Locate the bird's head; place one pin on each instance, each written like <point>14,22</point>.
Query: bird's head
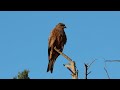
<point>61,25</point>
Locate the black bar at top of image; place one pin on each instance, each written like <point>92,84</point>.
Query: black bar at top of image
<point>59,5</point>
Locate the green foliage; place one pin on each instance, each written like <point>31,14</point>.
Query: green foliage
<point>22,75</point>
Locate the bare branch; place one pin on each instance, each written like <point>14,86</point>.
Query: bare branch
<point>106,72</point>
<point>112,60</point>
<point>86,69</point>
<point>91,63</point>
<point>89,73</point>
<point>87,66</point>
<point>70,66</point>
<point>69,59</point>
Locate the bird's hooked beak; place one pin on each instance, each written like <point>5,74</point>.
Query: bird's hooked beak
<point>65,27</point>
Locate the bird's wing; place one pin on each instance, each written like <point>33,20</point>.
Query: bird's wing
<point>51,42</point>
<point>64,40</point>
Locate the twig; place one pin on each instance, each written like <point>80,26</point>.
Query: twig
<point>91,63</point>
<point>112,60</point>
<point>89,73</point>
<point>69,69</point>
<point>106,72</point>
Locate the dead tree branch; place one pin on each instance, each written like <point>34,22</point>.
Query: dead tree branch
<point>106,72</point>
<point>86,70</point>
<point>112,60</point>
<point>87,66</point>
<point>69,59</point>
<point>70,66</point>
<point>92,63</point>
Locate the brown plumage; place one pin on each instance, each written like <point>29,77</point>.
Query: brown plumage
<point>57,39</point>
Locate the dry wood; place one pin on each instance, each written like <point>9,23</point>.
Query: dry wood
<point>70,66</point>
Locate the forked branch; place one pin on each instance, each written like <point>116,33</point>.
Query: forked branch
<point>70,66</point>
<point>87,66</point>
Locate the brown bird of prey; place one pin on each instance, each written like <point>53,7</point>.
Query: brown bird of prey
<point>57,39</point>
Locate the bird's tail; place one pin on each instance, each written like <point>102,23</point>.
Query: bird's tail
<point>50,66</point>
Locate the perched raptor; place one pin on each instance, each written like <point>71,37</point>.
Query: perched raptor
<point>57,39</point>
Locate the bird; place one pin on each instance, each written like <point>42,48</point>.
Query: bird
<point>56,39</point>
